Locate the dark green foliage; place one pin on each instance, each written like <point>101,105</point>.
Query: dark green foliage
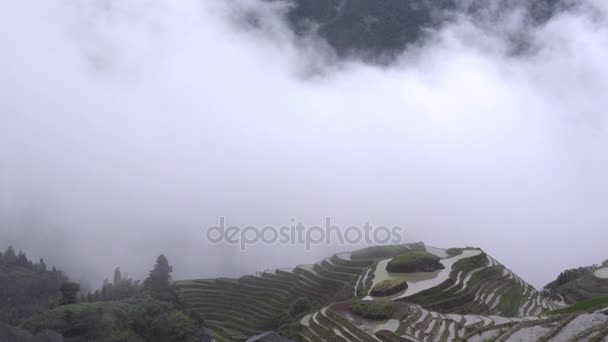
<point>69,292</point>
<point>293,313</point>
<point>158,282</point>
<point>510,302</point>
<point>388,287</point>
<point>87,322</point>
<point>385,251</point>
<point>41,266</point>
<point>453,251</point>
<point>414,261</point>
<point>587,286</point>
<point>123,287</point>
<point>471,263</point>
<point>291,330</point>
<point>10,258</point>
<point>300,306</point>
<point>137,319</point>
<point>373,309</point>
<point>117,276</point>
<point>568,276</point>
<point>25,287</point>
<point>154,320</point>
<point>605,263</point>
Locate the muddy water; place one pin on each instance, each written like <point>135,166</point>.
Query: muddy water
<point>418,281</point>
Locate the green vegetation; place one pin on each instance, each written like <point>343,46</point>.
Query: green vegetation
<point>144,313</point>
<point>158,281</point>
<point>388,287</point>
<point>373,310</point>
<point>69,291</point>
<point>26,287</point>
<point>385,251</point>
<point>510,302</point>
<point>288,321</point>
<point>137,319</point>
<point>471,263</point>
<point>159,310</point>
<point>454,251</point>
<point>582,306</point>
<point>414,261</point>
<point>568,276</point>
<point>585,287</point>
<point>122,287</point>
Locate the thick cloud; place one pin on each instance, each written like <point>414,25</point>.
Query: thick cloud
<point>127,127</point>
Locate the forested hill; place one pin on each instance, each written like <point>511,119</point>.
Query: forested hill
<point>410,292</point>
<point>26,287</point>
<point>385,27</point>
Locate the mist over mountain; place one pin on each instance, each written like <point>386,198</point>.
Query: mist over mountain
<point>129,127</point>
<point>381,30</point>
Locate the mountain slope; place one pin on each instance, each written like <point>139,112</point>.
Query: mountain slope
<point>471,284</point>
<point>387,27</point>
<point>584,284</point>
<point>25,288</point>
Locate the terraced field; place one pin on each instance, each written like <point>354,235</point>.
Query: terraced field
<point>474,298</point>
<point>238,308</point>
<point>414,323</point>
<point>481,285</point>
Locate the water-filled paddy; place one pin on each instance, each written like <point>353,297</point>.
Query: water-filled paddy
<point>418,281</point>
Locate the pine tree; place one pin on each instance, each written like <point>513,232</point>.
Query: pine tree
<point>117,276</point>
<point>10,258</point>
<point>69,291</point>
<point>22,259</point>
<point>42,265</point>
<point>159,278</point>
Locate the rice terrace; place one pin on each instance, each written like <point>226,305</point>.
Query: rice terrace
<point>472,297</point>
<point>303,170</point>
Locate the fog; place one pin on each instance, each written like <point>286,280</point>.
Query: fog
<point>129,127</point>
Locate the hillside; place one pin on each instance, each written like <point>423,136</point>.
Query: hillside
<point>26,287</point>
<point>470,297</point>
<point>580,284</point>
<point>376,28</point>
<point>473,296</point>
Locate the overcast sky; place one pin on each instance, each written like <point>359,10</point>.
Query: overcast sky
<point>128,127</point>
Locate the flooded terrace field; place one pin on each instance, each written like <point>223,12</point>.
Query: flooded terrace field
<point>418,281</point>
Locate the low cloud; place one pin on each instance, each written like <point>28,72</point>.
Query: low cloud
<point>128,127</point>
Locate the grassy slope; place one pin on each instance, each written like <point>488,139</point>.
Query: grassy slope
<point>510,301</point>
<point>582,306</point>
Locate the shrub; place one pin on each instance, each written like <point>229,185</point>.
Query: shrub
<point>385,251</point>
<point>181,325</point>
<point>414,261</point>
<point>373,310</point>
<point>388,287</point>
<point>301,305</point>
